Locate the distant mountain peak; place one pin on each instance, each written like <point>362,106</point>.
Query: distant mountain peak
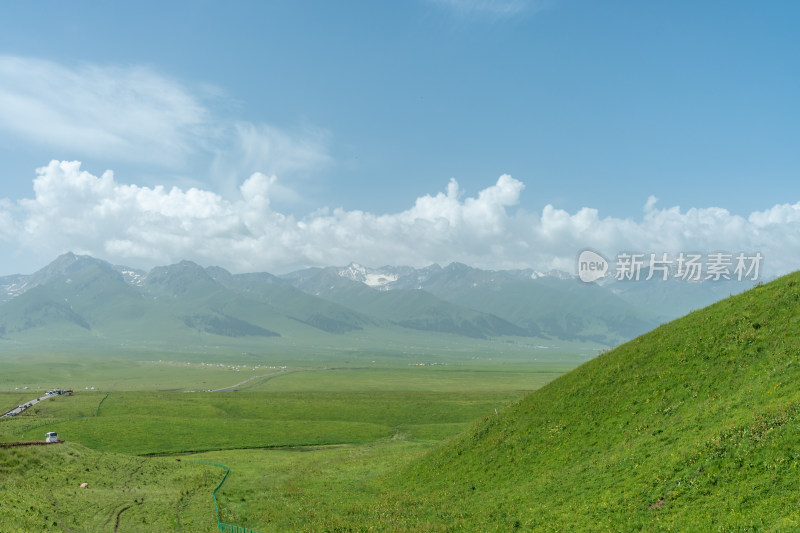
<point>353,271</point>
<point>66,260</point>
<point>65,264</point>
<point>179,278</point>
<point>455,266</point>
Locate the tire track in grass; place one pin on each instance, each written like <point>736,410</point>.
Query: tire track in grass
<point>130,478</point>
<point>97,413</point>
<point>119,514</point>
<point>119,517</point>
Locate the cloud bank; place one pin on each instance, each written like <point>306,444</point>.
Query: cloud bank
<point>144,226</point>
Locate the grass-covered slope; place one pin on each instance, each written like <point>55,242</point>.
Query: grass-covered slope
<point>40,487</point>
<point>693,426</point>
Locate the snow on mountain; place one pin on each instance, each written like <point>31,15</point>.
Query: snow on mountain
<point>376,278</point>
<point>379,280</point>
<point>131,277</point>
<point>556,274</point>
<point>354,271</point>
<point>12,286</point>
<point>404,277</point>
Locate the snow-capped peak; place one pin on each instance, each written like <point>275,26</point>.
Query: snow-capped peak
<point>354,271</point>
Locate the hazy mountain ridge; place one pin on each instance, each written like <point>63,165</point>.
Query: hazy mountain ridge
<point>82,293</point>
<point>552,304</point>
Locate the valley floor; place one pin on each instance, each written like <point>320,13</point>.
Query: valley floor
<point>305,445</point>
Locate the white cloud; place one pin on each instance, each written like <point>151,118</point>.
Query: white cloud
<point>269,150</point>
<point>141,226</point>
<point>140,116</point>
<point>127,113</point>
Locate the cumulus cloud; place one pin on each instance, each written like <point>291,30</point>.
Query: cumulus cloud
<point>143,226</point>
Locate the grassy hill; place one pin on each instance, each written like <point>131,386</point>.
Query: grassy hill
<point>693,426</point>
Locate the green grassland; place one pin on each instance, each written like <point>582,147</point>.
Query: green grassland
<point>160,423</point>
<point>351,419</point>
<point>203,364</point>
<point>40,373</point>
<point>694,426</point>
<point>327,489</point>
<point>40,489</point>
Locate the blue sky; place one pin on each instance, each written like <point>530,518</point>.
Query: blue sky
<point>355,116</point>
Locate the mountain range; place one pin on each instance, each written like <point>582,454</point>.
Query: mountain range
<point>80,296</point>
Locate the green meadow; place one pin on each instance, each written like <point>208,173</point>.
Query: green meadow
<point>173,422</point>
<point>314,428</point>
<point>40,489</point>
<point>694,426</point>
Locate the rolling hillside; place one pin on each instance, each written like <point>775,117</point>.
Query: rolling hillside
<point>693,426</point>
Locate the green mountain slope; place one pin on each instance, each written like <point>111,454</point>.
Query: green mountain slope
<point>694,426</point>
<point>551,307</point>
<point>414,309</point>
<point>509,302</point>
<point>85,303</point>
<point>78,298</point>
<point>86,296</point>
<point>673,298</point>
<point>292,302</point>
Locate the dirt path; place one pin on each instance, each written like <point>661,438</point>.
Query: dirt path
<point>232,388</point>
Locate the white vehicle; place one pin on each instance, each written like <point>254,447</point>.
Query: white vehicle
<point>52,436</point>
